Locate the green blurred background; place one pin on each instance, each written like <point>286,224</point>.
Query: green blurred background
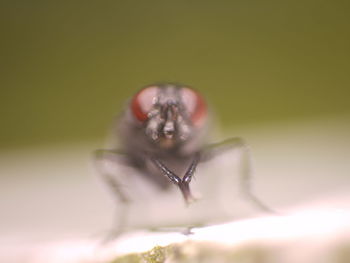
<point>67,67</point>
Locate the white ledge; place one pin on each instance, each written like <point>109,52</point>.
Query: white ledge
<point>305,236</point>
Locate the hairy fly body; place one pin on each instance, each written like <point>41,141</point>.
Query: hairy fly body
<point>163,135</point>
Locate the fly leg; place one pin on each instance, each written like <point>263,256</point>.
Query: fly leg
<point>245,176</point>
<point>115,187</point>
<point>184,183</point>
<point>187,179</point>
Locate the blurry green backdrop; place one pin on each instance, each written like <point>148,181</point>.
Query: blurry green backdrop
<point>67,67</point>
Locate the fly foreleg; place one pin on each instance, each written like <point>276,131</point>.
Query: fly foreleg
<point>184,183</point>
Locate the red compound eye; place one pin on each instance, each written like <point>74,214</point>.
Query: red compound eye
<point>143,101</point>
<point>195,105</point>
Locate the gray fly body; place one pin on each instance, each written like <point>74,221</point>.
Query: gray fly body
<point>162,133</point>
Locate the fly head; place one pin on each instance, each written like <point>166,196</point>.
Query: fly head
<point>169,114</point>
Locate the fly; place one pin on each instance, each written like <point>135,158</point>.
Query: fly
<point>163,135</point>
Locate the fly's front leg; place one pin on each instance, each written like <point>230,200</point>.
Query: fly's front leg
<point>245,176</point>
<point>115,187</point>
<point>187,179</point>
<point>184,183</point>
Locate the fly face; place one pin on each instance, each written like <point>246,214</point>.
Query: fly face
<point>168,115</point>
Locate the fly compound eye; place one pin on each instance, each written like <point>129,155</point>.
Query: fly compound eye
<point>143,102</point>
<point>194,104</point>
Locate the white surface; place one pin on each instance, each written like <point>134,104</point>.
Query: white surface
<point>314,232</point>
